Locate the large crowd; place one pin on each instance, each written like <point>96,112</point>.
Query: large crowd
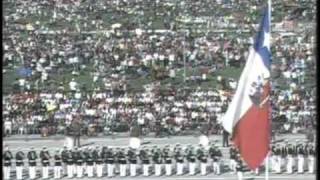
<point>49,45</point>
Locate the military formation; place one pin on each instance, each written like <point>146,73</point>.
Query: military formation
<point>293,157</point>
<point>109,162</point>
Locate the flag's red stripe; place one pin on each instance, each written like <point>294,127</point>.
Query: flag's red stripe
<point>252,133</point>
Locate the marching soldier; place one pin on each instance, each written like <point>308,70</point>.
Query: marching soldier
<point>95,154</point>
<point>89,161</point>
<point>70,164</point>
<point>104,154</point>
<point>290,152</point>
<point>45,160</point>
<point>144,156</point>
<point>239,167</point>
<point>300,153</point>
<point>167,160</point>
<point>64,157</point>
<point>99,162</point>
<point>233,157</point>
<point>273,158</point>
<point>122,162</point>
<point>57,165</point>
<point>284,154</point>
<point>157,159</point>
<point>132,155</point>
<point>179,159</point>
<point>19,164</point>
<point>311,154</point>
<point>79,158</point>
<point>278,154</point>
<point>216,156</point>
<point>7,157</point>
<point>202,158</point>
<point>110,162</point>
<point>32,158</point>
<point>192,161</point>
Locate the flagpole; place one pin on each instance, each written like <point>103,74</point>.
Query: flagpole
<point>267,167</point>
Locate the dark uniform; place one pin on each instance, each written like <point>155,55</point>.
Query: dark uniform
<point>89,161</point>
<point>79,161</point>
<point>289,151</point>
<point>216,156</point>
<point>203,159</point>
<point>233,163</point>
<point>301,154</point>
<point>310,155</point>
<point>97,154</point>
<point>144,157</point>
<point>57,165</point>
<point>179,157</point>
<point>157,159</point>
<point>45,160</point>
<point>32,158</point>
<point>110,162</point>
<point>70,164</point>
<point>167,160</point>
<point>7,157</point>
<point>225,139</point>
<point>278,159</point>
<point>19,164</point>
<point>133,161</point>
<point>122,162</point>
<point>273,158</point>
<point>64,156</point>
<point>284,155</point>
<point>192,161</point>
<point>239,167</point>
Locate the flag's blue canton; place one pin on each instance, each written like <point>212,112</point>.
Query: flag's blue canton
<point>259,46</point>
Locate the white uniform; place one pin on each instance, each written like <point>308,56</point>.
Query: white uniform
<point>300,163</point>
<point>133,169</point>
<point>289,164</point>
<point>216,167</point>
<point>6,172</point>
<point>7,169</point>
<point>79,171</point>
<point>110,169</point>
<point>123,169</point>
<point>90,170</point>
<point>146,169</point>
<point>158,168</point>
<point>311,164</point>
<point>45,167</point>
<point>192,167</point>
<point>99,170</point>
<point>179,168</point>
<point>278,163</point>
<point>19,170</point>
<point>233,165</point>
<point>70,170</point>
<point>57,172</point>
<point>203,168</point>
<point>168,169</point>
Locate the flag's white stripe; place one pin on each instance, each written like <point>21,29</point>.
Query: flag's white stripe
<point>241,101</point>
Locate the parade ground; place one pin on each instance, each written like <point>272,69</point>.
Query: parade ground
<point>121,140</point>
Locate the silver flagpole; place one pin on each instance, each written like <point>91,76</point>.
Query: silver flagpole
<point>267,167</point>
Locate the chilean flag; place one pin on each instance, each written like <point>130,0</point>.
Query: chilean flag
<point>248,115</point>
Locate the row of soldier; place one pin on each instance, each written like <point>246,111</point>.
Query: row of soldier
<point>293,156</point>
<point>91,162</point>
